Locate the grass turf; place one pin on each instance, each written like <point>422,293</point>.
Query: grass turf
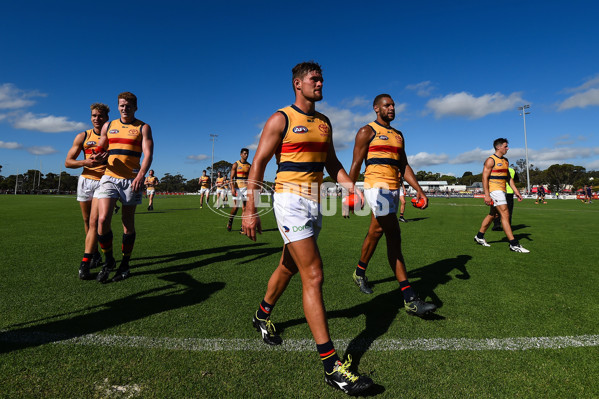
<point>191,279</point>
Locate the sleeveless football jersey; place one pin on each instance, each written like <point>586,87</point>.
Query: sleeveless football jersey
<point>152,181</point>
<point>124,149</point>
<point>204,181</point>
<point>499,174</point>
<point>220,182</point>
<point>382,160</point>
<point>243,170</point>
<point>90,144</point>
<point>302,155</point>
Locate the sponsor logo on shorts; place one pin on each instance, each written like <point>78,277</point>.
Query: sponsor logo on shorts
<point>383,137</point>
<point>113,131</point>
<point>300,129</point>
<point>296,229</point>
<point>286,229</point>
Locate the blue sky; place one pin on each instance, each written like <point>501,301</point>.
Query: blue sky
<point>457,71</point>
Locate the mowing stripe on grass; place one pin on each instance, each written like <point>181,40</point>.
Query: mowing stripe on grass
<point>295,345</point>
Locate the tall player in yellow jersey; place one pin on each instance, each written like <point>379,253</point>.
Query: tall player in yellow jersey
<point>301,138</point>
<point>383,148</point>
<point>126,140</point>
<point>88,184</point>
<point>495,175</point>
<point>220,190</point>
<point>240,171</point>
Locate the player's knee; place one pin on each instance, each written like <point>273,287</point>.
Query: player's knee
<point>313,277</point>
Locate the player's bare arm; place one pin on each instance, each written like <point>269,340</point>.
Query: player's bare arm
<point>71,160</point>
<point>147,147</point>
<point>361,143</point>
<point>269,141</point>
<point>487,168</point>
<point>102,153</point>
<point>516,191</point>
<point>407,174</point>
<point>232,181</point>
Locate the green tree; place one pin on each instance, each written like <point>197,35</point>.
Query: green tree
<point>558,177</point>
<point>171,184</point>
<point>223,167</point>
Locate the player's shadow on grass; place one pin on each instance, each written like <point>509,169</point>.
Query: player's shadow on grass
<point>181,291</point>
<point>415,219</point>
<point>242,254</point>
<point>519,226</point>
<point>503,238</point>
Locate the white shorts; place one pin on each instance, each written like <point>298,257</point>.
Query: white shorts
<point>220,192</point>
<point>242,193</point>
<point>204,190</point>
<point>402,192</point>
<point>382,201</point>
<point>498,197</point>
<point>86,188</point>
<point>112,187</point>
<point>297,217</point>
<point>150,191</point>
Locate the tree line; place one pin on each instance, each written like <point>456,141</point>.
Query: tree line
<point>557,177</point>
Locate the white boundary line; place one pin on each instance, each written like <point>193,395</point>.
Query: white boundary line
<point>303,345</point>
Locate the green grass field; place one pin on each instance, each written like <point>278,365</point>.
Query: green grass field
<point>509,325</point>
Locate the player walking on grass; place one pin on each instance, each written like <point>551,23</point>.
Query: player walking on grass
<point>220,191</point>
<point>402,201</point>
<point>88,184</point>
<point>151,183</point>
<point>495,176</point>
<point>383,148</point>
<point>240,171</point>
<point>205,184</point>
<point>301,138</point>
<point>126,140</point>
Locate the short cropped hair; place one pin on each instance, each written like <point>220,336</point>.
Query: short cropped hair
<point>129,97</point>
<point>103,108</point>
<point>244,149</point>
<point>304,68</point>
<point>499,142</point>
<point>379,98</point>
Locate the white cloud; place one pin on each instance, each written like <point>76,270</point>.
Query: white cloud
<point>12,97</point>
<point>254,145</point>
<point>592,82</point>
<point>424,159</point>
<point>476,155</point>
<point>345,123</point>
<point>10,145</point>
<point>581,100</point>
<point>467,105</point>
<point>356,102</point>
<point>422,89</point>
<point>41,150</point>
<point>47,124</point>
<point>197,158</point>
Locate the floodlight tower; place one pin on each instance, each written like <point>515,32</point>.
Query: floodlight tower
<point>213,138</point>
<point>524,113</point>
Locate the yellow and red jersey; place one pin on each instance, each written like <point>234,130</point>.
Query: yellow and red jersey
<point>500,174</point>
<point>383,158</point>
<point>241,173</point>
<point>220,182</point>
<point>90,143</point>
<point>302,155</point>
<point>204,181</point>
<point>124,149</point>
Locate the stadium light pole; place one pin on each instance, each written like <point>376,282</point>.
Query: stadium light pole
<point>524,113</point>
<point>213,138</point>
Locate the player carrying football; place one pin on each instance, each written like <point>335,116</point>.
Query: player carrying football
<point>383,148</point>
<point>302,140</point>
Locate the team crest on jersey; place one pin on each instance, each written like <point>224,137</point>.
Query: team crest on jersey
<point>300,129</point>
<point>323,127</point>
<point>383,137</point>
<point>133,132</point>
<point>114,131</point>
